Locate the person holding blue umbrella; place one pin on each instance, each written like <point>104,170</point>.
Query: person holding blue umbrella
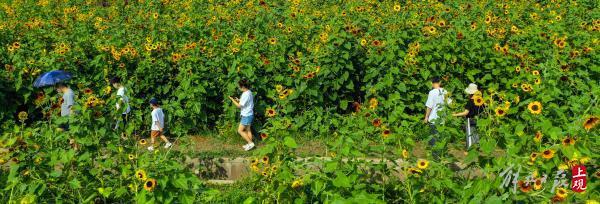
<point>57,78</point>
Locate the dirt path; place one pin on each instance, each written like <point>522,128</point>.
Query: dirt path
<point>211,146</point>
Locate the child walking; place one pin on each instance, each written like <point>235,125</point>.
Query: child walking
<point>158,124</point>
<point>246,104</point>
<point>122,102</point>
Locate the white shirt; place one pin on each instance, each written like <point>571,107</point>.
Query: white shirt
<point>158,115</point>
<point>124,98</point>
<point>247,103</point>
<point>435,101</point>
<point>68,102</point>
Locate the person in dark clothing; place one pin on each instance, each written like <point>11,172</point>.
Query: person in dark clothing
<point>474,107</point>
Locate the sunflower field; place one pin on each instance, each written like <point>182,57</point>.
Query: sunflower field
<point>353,73</point>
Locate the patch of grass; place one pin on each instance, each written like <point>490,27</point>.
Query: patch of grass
<point>214,145</point>
<point>233,193</point>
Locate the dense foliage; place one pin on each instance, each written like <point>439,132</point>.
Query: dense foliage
<point>356,72</point>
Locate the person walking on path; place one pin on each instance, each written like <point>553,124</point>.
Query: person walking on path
<point>246,104</point>
<point>122,101</point>
<point>158,125</point>
<point>436,100</point>
<point>474,107</point>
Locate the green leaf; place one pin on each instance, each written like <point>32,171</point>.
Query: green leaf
<point>105,191</point>
<point>290,142</point>
<point>249,200</point>
<point>75,183</point>
<point>487,145</point>
<point>180,182</point>
<point>343,105</point>
<point>341,180</point>
<point>331,166</point>
<point>425,74</point>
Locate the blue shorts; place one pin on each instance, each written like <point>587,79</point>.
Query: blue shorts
<point>247,120</point>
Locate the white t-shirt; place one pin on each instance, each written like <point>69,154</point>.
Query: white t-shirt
<point>121,93</point>
<point>158,115</point>
<point>247,103</point>
<point>435,101</point>
<point>68,102</point>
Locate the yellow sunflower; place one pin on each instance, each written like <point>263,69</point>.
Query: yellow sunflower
<point>533,156</point>
<point>584,160</point>
<point>278,88</point>
<point>537,185</point>
<point>538,81</point>
<point>441,23</point>
<point>405,154</point>
<point>568,141</point>
<point>373,103</point>
<point>557,199</point>
<point>561,192</point>
<point>591,122</point>
<point>535,107</point>
<point>526,87</point>
<point>88,91</point>
<point>282,96</point>
<point>150,184</point>
<point>414,170</point>
<point>297,184</point>
<point>422,163</point>
<point>538,137</point>
<point>141,175</point>
<point>397,7</point>
<point>270,112</point>
<point>478,100</point>
<point>535,72</point>
<point>23,116</point>
<point>548,154</point>
<point>272,41</point>
<point>107,89</point>
<point>376,122</point>
<point>386,133</point>
<point>143,142</point>
<point>131,157</point>
<point>265,160</point>
<point>524,186</point>
<point>254,168</point>
<point>500,112</point>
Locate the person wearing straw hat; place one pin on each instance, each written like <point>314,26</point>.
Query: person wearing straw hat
<point>474,107</point>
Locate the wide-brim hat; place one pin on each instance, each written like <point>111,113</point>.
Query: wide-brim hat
<point>471,89</point>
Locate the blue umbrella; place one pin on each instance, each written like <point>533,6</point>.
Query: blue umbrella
<point>51,78</point>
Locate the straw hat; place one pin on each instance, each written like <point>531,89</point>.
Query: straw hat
<point>471,89</point>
